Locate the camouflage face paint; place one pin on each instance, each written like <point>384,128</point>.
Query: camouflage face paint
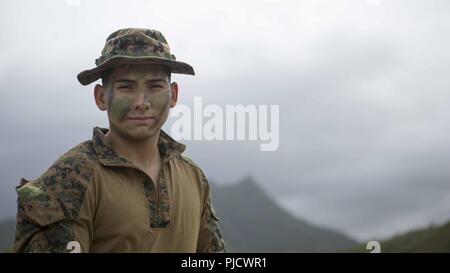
<point>160,101</point>
<point>142,71</point>
<point>118,108</point>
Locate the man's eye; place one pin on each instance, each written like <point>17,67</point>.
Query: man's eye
<point>156,88</point>
<point>124,87</point>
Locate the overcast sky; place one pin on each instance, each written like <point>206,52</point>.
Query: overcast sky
<point>363,89</point>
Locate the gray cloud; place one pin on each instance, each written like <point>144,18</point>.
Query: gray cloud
<point>361,85</point>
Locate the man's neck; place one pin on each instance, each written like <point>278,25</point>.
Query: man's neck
<point>144,153</point>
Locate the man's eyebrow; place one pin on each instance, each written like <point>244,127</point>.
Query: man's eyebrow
<point>132,81</point>
<point>156,80</point>
<point>124,81</point>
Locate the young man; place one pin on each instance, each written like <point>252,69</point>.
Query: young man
<point>129,189</point>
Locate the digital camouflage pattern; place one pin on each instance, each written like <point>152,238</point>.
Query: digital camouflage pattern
<point>134,46</point>
<point>46,206</point>
<point>217,244</point>
<point>49,207</point>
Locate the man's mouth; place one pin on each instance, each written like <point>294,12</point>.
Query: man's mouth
<point>143,118</point>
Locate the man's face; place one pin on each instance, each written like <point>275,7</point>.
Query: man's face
<point>138,99</point>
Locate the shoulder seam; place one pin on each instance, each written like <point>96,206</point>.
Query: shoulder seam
<point>190,162</point>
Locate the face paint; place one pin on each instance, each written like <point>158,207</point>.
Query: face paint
<point>160,100</point>
<point>154,70</point>
<point>128,103</point>
<point>118,108</point>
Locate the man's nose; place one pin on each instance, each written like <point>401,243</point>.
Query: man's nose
<point>142,101</point>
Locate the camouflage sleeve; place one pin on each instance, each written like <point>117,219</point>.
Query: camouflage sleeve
<point>210,237</point>
<point>49,206</point>
<point>41,227</point>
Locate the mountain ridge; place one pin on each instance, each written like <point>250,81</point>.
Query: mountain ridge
<point>253,222</point>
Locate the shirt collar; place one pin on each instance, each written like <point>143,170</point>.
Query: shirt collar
<point>167,146</point>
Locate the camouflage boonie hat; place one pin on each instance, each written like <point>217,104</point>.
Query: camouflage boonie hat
<point>134,46</point>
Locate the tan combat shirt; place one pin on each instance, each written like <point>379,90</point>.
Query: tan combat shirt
<point>92,200</point>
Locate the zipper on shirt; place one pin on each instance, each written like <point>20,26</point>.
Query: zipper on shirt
<point>158,198</point>
<point>157,191</point>
<point>160,175</point>
<point>157,187</point>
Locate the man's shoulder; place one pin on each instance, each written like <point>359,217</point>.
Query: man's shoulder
<point>83,152</point>
<point>63,184</point>
<point>189,163</point>
<point>78,162</point>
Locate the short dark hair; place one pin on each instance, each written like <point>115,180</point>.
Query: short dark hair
<point>106,74</point>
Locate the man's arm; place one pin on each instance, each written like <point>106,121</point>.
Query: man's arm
<point>45,237</point>
<point>43,226</point>
<point>48,214</point>
<point>210,237</point>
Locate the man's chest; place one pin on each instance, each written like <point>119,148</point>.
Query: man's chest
<point>130,208</point>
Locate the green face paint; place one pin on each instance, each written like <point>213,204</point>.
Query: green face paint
<point>120,104</point>
<point>118,108</point>
<point>160,100</point>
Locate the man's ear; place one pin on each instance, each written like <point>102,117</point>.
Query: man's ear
<point>100,97</point>
<point>174,98</point>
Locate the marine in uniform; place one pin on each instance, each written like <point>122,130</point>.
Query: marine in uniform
<point>129,188</point>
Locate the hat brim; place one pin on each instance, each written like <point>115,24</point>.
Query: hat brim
<point>89,76</point>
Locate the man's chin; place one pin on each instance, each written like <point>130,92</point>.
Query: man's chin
<point>142,133</point>
<point>138,133</point>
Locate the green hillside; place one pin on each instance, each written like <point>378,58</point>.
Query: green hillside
<point>431,239</point>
